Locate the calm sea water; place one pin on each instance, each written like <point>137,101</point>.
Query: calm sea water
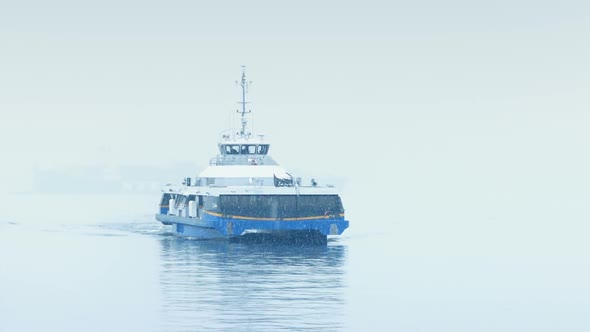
<point>102,263</point>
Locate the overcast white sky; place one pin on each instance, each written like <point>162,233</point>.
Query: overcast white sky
<point>464,99</point>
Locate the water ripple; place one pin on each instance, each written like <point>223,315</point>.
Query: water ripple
<point>221,286</point>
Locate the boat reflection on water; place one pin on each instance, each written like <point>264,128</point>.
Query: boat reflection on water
<point>218,285</point>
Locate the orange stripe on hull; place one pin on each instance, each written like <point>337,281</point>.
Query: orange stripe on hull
<point>272,219</point>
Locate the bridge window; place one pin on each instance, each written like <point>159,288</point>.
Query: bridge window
<point>244,149</point>
<point>262,149</point>
<point>248,149</point>
<point>231,149</point>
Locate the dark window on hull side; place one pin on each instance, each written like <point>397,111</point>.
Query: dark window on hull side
<point>280,206</point>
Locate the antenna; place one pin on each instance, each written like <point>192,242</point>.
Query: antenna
<point>245,85</point>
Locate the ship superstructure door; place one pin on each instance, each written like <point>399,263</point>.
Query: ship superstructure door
<point>199,206</point>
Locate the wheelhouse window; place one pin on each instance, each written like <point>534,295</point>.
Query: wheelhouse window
<point>251,149</point>
<point>262,149</point>
<point>244,149</point>
<point>230,149</point>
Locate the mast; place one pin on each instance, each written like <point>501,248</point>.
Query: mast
<point>244,84</point>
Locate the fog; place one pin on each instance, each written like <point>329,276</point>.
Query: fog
<point>453,107</point>
<point>461,125</point>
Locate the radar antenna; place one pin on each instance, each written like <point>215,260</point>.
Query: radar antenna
<point>245,85</point>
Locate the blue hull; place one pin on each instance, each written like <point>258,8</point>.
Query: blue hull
<point>218,227</point>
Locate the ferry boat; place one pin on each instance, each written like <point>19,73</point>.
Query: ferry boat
<point>245,191</point>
